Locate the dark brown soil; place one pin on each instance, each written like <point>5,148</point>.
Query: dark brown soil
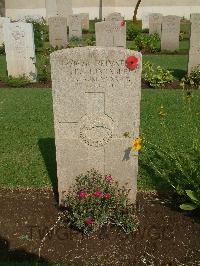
<point>166,235</point>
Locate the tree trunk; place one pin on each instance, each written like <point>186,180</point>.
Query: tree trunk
<point>136,10</point>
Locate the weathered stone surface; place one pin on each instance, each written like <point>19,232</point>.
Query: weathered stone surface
<point>194,53</point>
<point>64,8</point>
<point>155,23</point>
<point>114,17</point>
<point>145,21</point>
<point>110,33</point>
<point>85,21</point>
<point>20,49</point>
<point>3,20</point>
<point>96,99</point>
<point>170,33</point>
<point>58,31</point>
<point>75,26</point>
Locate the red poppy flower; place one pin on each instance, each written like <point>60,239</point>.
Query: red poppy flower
<point>132,62</point>
<point>89,221</point>
<point>122,23</point>
<point>82,194</point>
<point>106,196</point>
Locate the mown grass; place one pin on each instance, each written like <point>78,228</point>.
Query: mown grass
<point>27,135</point>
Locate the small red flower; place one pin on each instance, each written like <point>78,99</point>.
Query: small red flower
<point>108,178</point>
<point>82,194</point>
<point>106,196</point>
<point>96,203</point>
<point>98,194</point>
<point>89,221</point>
<point>132,62</point>
<point>122,23</point>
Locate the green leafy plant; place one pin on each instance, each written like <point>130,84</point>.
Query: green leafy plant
<point>90,41</point>
<point>16,82</point>
<point>147,43</point>
<point>96,200</point>
<point>181,35</point>
<point>74,42</point>
<point>132,31</point>
<point>192,81</point>
<point>194,201</point>
<point>156,76</point>
<point>2,49</point>
<point>40,32</point>
<point>43,65</point>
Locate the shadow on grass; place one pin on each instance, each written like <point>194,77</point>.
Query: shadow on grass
<point>18,256</point>
<point>179,73</point>
<point>48,150</point>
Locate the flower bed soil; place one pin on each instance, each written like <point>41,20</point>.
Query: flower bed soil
<point>166,235</point>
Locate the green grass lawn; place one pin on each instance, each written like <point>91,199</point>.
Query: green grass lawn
<point>27,135</point>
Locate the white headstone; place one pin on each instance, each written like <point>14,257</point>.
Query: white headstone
<point>96,99</point>
<point>194,53</point>
<point>75,26</point>
<point>58,32</point>
<point>114,17</point>
<point>110,33</point>
<point>170,33</point>
<point>2,22</point>
<point>85,21</point>
<point>155,23</point>
<point>145,21</point>
<point>20,49</point>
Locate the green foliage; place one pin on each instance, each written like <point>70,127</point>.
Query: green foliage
<point>192,81</point>
<point>43,65</point>
<point>74,42</point>
<point>16,82</point>
<point>181,35</point>
<point>132,31</point>
<point>96,200</point>
<point>90,41</point>
<point>2,49</point>
<point>195,201</point>
<point>147,43</point>
<point>40,32</point>
<point>156,76</point>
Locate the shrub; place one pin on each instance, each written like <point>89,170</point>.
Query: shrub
<point>74,42</point>
<point>2,49</point>
<point>192,81</point>
<point>132,31</point>
<point>156,76</point>
<point>96,200</point>
<point>43,65</point>
<point>90,41</point>
<point>40,32</point>
<point>16,82</point>
<point>147,43</point>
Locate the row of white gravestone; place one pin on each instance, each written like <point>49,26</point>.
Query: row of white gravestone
<point>58,28</point>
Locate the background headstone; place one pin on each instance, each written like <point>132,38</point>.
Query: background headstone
<point>155,23</point>
<point>110,33</point>
<point>85,21</point>
<point>114,17</point>
<point>20,49</point>
<point>58,31</point>
<point>64,8</point>
<point>145,21</point>
<point>2,22</point>
<point>170,33</point>
<point>96,99</point>
<point>194,53</point>
<point>75,26</point>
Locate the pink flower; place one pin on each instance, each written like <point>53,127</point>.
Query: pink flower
<point>106,196</point>
<point>82,194</point>
<point>89,221</point>
<point>108,178</point>
<point>97,194</point>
